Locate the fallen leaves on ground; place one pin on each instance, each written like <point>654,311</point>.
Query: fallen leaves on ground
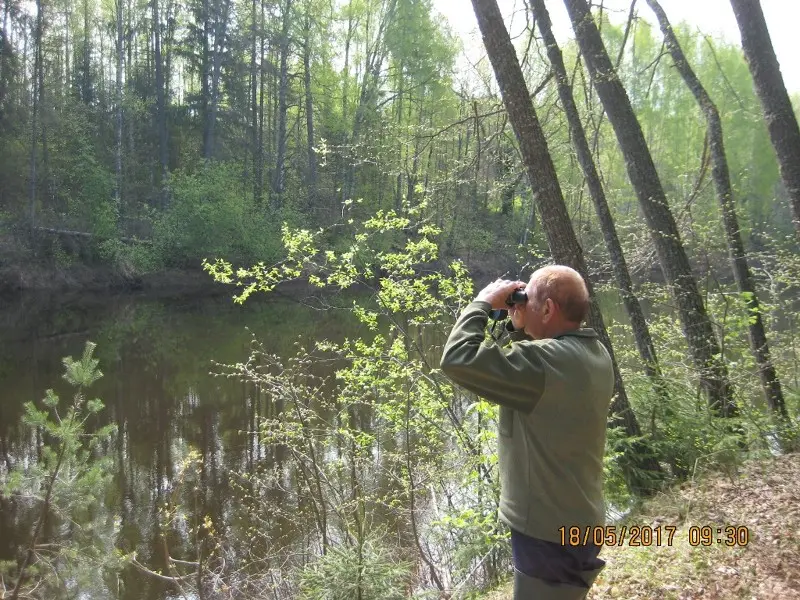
<point>762,495</point>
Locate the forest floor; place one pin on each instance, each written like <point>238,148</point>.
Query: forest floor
<point>762,495</point>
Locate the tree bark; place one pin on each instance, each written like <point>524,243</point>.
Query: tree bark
<point>38,94</point>
<point>278,182</point>
<point>5,49</point>
<point>778,112</point>
<point>86,75</point>
<point>254,79</point>
<point>547,194</point>
<point>312,155</point>
<point>132,57</point>
<point>262,94</point>
<point>118,127</point>
<point>641,332</point>
<point>205,70</point>
<point>161,110</point>
<point>219,25</point>
<point>375,57</point>
<point>168,43</point>
<point>722,182</point>
<point>702,342</point>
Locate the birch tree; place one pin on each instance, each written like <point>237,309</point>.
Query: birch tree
<point>700,337</point>
<point>561,237</point>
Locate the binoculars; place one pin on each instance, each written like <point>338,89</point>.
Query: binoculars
<point>517,297</point>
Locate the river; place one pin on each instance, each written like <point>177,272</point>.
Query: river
<point>157,356</point>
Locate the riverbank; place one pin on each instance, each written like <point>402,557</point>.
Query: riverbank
<point>762,496</point>
<point>23,276</point>
<point>38,278</point>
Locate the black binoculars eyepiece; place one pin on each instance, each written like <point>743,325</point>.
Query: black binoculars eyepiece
<point>517,297</point>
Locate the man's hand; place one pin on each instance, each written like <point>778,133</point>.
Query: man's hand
<point>498,291</point>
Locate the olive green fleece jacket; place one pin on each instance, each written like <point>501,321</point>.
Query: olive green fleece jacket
<point>554,396</point>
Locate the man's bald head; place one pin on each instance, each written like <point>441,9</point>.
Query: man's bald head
<point>565,287</point>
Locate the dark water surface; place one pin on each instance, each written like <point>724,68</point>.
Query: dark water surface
<point>156,356</point>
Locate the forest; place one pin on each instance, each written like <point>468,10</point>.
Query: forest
<point>342,151</point>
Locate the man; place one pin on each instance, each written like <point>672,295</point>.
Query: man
<point>554,386</point>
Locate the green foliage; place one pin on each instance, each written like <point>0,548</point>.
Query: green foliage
<point>370,571</point>
<point>396,123</point>
<point>61,489</point>
<point>684,432</point>
<point>209,214</point>
<point>615,479</point>
<point>390,373</point>
<point>395,427</point>
<point>84,185</point>
<point>477,540</point>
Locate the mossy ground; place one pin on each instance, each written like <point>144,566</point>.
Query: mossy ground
<point>762,495</point>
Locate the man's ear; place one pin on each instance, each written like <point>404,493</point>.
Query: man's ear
<point>549,309</point>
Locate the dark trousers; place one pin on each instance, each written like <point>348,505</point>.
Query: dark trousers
<point>545,570</point>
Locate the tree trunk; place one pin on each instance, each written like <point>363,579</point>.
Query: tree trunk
<point>547,194</point>
<point>5,49</point>
<point>778,112</point>
<point>86,75</point>
<point>44,172</point>
<point>63,85</point>
<point>342,175</point>
<point>132,58</point>
<point>479,135</point>
<point>397,108</point>
<point>166,48</point>
<point>641,332</point>
<point>413,176</point>
<point>259,171</point>
<point>220,25</point>
<point>205,71</point>
<point>254,79</point>
<point>312,156</point>
<point>38,93</point>
<point>161,110</point>
<point>370,81</point>
<point>118,132</point>
<point>101,83</point>
<point>271,110</point>
<point>722,182</point>
<point>278,182</point>
<point>697,328</point>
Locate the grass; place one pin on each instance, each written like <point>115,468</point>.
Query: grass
<point>762,495</point>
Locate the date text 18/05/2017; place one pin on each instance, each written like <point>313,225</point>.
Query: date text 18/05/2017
<point>660,535</point>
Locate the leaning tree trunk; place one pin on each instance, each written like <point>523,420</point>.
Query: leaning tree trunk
<point>550,202</point>
<point>722,183</point>
<point>641,332</point>
<point>702,342</point>
<point>781,121</point>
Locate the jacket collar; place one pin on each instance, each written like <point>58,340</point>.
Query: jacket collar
<point>586,332</point>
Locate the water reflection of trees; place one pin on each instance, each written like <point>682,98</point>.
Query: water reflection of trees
<point>156,357</point>
<point>201,483</point>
